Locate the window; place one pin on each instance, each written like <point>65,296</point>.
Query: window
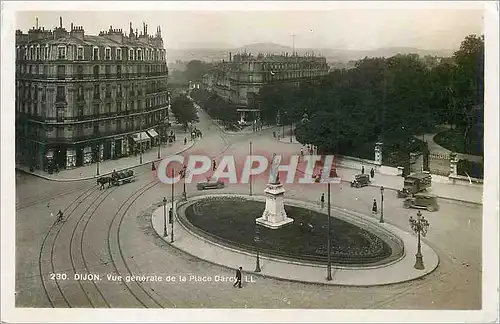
<point>80,93</point>
<point>61,72</point>
<point>44,94</point>
<point>60,94</point>
<point>96,109</point>
<point>38,53</point>
<point>107,54</point>
<point>47,52</point>
<point>96,71</point>
<point>108,91</point>
<point>30,57</point>
<point>61,52</point>
<point>118,54</point>
<point>139,54</point>
<point>95,54</point>
<point>108,108</point>
<point>79,72</point>
<point>119,91</point>
<point>118,107</point>
<point>97,95</point>
<point>131,54</point>
<point>107,71</point>
<point>118,71</point>
<point>79,53</point>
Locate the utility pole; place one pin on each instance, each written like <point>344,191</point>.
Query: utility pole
<point>250,177</point>
<point>172,210</point>
<point>329,243</point>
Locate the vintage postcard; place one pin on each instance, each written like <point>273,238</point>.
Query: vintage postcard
<point>249,161</point>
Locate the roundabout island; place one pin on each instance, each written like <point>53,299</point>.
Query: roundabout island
<point>221,229</point>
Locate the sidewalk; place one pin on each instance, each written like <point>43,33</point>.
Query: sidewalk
<point>471,193</point>
<point>435,148</point>
<point>106,167</point>
<point>395,272</point>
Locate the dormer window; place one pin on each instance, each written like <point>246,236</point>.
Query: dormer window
<point>118,54</point>
<point>61,52</point>
<point>107,54</point>
<point>47,52</point>
<point>79,53</point>
<point>139,54</point>
<point>131,54</point>
<point>30,57</point>
<point>38,53</point>
<point>95,54</point>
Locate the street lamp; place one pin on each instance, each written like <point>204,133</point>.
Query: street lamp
<point>291,131</point>
<point>159,147</point>
<point>98,157</point>
<point>172,211</point>
<point>381,204</point>
<point>329,241</point>
<point>183,176</point>
<point>257,240</point>
<point>165,234</point>
<point>419,226</point>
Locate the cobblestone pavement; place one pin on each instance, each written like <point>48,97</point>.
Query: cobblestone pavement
<point>108,232</point>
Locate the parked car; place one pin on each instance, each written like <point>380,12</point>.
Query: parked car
<point>422,201</point>
<point>415,183</point>
<point>361,180</point>
<point>211,183</point>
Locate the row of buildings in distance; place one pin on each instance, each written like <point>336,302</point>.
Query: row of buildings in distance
<point>85,98</point>
<point>239,80</point>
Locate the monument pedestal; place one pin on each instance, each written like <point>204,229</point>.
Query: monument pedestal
<point>274,215</point>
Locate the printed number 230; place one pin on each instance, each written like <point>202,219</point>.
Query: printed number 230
<point>58,276</point>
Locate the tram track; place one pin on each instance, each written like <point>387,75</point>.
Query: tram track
<point>78,202</point>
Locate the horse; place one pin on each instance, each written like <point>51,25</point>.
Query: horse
<point>103,180</point>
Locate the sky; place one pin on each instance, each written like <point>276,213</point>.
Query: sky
<point>347,29</point>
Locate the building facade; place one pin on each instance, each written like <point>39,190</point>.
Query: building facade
<point>83,98</point>
<point>240,79</point>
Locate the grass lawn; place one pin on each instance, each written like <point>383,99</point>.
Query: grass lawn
<point>233,222</point>
<point>453,140</point>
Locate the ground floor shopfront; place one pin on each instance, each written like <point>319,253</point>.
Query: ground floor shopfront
<point>52,157</point>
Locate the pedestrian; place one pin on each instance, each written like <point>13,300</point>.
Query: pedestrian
<point>185,140</point>
<point>362,170</point>
<point>153,168</point>
<point>374,208</point>
<point>302,152</point>
<point>279,136</point>
<point>372,173</point>
<point>214,165</point>
<point>274,134</point>
<point>238,278</point>
<point>322,200</point>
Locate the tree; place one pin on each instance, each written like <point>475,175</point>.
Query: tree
<point>195,70</point>
<point>184,111</point>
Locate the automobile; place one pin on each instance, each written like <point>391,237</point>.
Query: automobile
<point>361,180</point>
<point>211,183</point>
<point>415,183</point>
<point>422,201</point>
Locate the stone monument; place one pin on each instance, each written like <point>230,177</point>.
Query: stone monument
<point>274,215</point>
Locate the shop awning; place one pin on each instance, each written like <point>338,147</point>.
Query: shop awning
<point>141,137</point>
<point>152,133</point>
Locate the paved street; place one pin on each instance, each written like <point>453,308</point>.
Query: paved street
<point>108,232</point>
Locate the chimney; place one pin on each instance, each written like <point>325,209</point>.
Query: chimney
<point>36,22</point>
<point>71,26</point>
<point>230,56</point>
<point>60,22</point>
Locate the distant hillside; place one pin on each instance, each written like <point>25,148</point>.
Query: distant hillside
<point>332,55</point>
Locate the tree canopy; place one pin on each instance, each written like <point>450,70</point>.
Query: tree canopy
<point>184,111</point>
<point>195,70</point>
<point>384,97</point>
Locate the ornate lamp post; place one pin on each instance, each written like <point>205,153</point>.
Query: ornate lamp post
<point>257,240</point>
<point>159,147</point>
<point>98,157</point>
<point>419,226</point>
<point>165,234</point>
<point>183,173</point>
<point>381,204</point>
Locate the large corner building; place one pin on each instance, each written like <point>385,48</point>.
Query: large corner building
<point>82,98</point>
